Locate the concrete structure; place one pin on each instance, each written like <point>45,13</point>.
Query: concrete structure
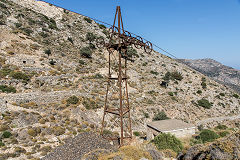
<point>176,127</point>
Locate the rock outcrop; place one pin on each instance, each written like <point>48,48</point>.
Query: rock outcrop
<point>222,149</point>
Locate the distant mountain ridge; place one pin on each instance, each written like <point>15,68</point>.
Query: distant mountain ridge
<point>219,72</point>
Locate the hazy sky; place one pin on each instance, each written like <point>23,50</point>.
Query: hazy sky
<point>189,29</point>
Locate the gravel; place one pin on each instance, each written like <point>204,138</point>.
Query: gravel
<point>75,148</point>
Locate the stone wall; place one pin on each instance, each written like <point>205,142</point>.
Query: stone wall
<point>40,97</point>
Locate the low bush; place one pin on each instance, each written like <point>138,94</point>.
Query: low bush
<point>131,52</point>
<point>154,72</point>
<point>27,31</point>
<point>58,130</point>
<point>48,52</point>
<point>86,52</point>
<point>222,94</point>
<point>173,76</point>
<point>73,100</point>
<point>170,94</point>
<point>101,26</point>
<point>224,133</point>
<point>160,116</point>
<point>1,144</point>
<point>204,103</point>
<point>221,127</point>
<point>207,135</point>
<point>199,92</point>
<point>236,95</point>
<point>20,76</point>
<point>6,134</point>
<point>7,89</point>
<point>136,133</point>
<point>32,132</point>
<point>81,62</point>
<point>90,104</point>
<point>88,20</point>
<point>90,37</point>
<point>168,141</point>
<point>177,76</point>
<point>5,71</point>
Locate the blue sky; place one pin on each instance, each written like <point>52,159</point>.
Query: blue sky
<point>189,29</point>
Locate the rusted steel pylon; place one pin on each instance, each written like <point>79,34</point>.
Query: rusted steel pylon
<point>117,87</point>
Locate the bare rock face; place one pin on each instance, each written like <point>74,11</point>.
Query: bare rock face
<point>224,74</point>
<point>228,148</point>
<point>41,7</point>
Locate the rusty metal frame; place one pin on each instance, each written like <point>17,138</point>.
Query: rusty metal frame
<point>125,39</point>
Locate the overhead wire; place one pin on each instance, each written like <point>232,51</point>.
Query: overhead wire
<point>102,22</point>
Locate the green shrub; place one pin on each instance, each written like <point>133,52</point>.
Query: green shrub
<point>53,24</point>
<point>27,31</point>
<point>154,72</point>
<point>236,95</point>
<point>170,93</point>
<point>146,115</point>
<point>224,133</point>
<point>176,76</point>
<point>86,52</point>
<point>6,134</point>
<point>199,92</point>
<point>222,94</point>
<point>107,132</point>
<point>101,26</point>
<point>173,76</point>
<point>204,103</point>
<point>88,20</point>
<point>160,116</point>
<point>167,141</point>
<point>20,76</point>
<point>207,135</point>
<point>131,52</point>
<point>48,52</point>
<point>90,37</point>
<point>90,104</point>
<point>92,46</point>
<point>73,100</point>
<point>7,89</point>
<point>5,71</point>
<point>18,25</point>
<point>1,143</point>
<point>81,62</point>
<point>44,35</point>
<point>136,133</point>
<point>221,127</point>
<point>204,85</point>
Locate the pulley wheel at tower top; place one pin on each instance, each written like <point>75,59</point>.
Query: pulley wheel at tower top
<point>148,47</point>
<point>138,42</point>
<point>127,38</point>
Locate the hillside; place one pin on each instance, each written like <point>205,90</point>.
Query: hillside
<point>51,90</point>
<point>219,72</point>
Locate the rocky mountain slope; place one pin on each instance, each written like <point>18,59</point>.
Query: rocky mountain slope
<point>226,148</point>
<point>219,72</point>
<point>53,81</point>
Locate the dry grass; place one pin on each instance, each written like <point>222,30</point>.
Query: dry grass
<point>128,153</point>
